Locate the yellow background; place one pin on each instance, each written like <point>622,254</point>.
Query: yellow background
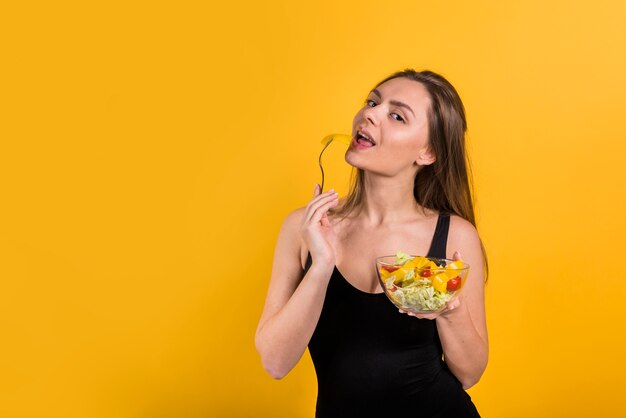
<point>150,151</point>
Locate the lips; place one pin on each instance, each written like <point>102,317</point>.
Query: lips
<point>360,143</point>
<point>364,138</point>
<point>364,134</point>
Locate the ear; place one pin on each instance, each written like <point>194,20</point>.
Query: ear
<point>425,157</point>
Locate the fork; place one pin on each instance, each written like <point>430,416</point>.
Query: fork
<point>320,162</point>
<point>343,138</point>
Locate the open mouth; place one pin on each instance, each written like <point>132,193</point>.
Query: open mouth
<point>363,140</point>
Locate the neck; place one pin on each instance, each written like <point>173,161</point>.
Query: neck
<point>389,200</point>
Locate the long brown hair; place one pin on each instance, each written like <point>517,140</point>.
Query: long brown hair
<point>445,185</point>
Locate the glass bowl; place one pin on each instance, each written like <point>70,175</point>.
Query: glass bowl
<point>420,284</point>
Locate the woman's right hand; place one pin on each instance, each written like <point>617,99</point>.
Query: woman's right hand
<point>316,230</point>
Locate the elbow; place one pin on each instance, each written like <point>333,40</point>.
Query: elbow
<point>471,379</point>
<point>469,382</point>
<point>274,368</point>
<point>276,373</point>
<point>271,362</point>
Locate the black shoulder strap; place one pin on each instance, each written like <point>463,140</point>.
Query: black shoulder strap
<point>309,261</point>
<point>440,238</point>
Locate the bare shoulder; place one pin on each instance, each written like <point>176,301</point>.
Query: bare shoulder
<point>462,234</point>
<point>293,220</point>
<point>291,224</point>
<point>462,227</point>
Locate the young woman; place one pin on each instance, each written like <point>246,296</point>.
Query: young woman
<point>411,193</point>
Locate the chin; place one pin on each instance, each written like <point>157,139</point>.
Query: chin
<point>351,160</point>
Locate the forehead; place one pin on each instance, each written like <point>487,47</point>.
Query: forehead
<point>408,91</point>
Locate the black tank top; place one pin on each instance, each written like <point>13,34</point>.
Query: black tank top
<point>373,361</point>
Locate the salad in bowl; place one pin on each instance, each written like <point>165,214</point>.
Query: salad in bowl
<point>420,284</point>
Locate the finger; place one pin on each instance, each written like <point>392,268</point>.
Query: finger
<point>321,207</point>
<point>456,255</point>
<point>317,194</point>
<point>452,305</point>
<point>412,314</point>
<point>321,212</point>
<point>317,201</point>
<point>454,301</point>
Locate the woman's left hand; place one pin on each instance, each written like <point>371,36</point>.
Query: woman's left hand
<point>450,306</point>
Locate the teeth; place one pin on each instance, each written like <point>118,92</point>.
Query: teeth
<point>366,137</point>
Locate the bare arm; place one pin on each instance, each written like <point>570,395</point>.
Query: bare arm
<point>463,331</point>
<point>294,303</point>
<point>462,326</point>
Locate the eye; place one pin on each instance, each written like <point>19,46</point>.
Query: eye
<point>400,118</point>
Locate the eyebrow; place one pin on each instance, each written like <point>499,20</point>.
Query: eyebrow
<point>394,102</point>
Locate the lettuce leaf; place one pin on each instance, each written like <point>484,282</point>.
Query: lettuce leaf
<point>422,296</point>
<point>402,258</point>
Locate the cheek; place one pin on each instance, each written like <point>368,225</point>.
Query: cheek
<point>400,156</point>
<point>415,142</point>
<point>407,146</point>
<point>402,153</point>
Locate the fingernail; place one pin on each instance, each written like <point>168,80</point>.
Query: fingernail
<point>330,191</point>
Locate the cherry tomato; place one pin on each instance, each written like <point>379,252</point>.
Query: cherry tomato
<point>426,272</point>
<point>453,284</point>
<point>390,268</point>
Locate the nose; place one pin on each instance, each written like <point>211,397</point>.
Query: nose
<point>370,115</point>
